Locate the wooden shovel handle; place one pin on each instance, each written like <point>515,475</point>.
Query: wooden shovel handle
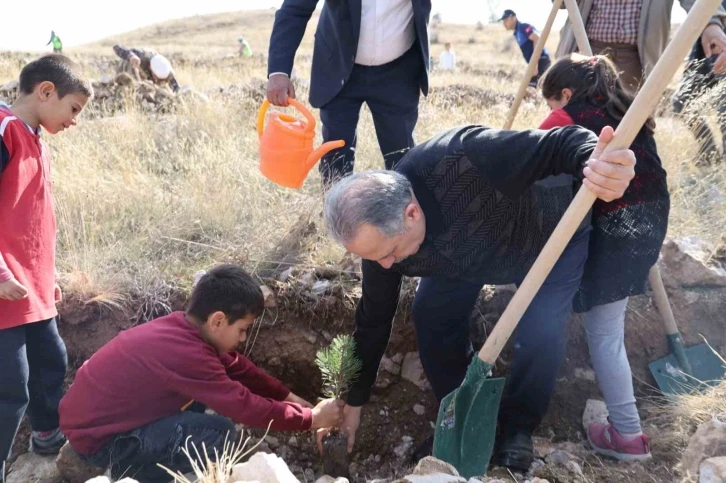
<point>661,301</point>
<point>532,66</point>
<point>642,107</point>
<point>578,27</point>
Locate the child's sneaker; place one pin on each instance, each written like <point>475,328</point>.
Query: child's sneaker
<point>606,440</point>
<point>47,442</point>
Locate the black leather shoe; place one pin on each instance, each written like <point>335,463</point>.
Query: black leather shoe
<point>423,450</point>
<point>516,451</point>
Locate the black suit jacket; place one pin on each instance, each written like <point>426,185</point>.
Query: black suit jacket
<point>336,42</point>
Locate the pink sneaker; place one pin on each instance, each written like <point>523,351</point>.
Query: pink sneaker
<point>606,440</point>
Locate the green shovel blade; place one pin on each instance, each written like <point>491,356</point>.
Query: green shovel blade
<point>467,421</point>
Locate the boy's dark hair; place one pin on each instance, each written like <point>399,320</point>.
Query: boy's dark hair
<point>593,79</point>
<point>65,74</point>
<point>226,288</point>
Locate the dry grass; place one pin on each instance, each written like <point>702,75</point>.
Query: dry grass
<point>145,201</point>
<point>680,415</point>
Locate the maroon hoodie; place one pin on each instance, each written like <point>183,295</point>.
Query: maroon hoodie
<point>151,371</point>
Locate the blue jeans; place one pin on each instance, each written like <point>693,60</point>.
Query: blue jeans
<point>33,363</point>
<point>441,312</point>
<point>138,453</point>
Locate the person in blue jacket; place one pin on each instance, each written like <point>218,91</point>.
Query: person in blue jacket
<point>527,36</point>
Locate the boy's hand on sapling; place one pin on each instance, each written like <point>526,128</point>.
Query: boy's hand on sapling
<point>298,400</point>
<point>12,290</point>
<point>328,413</point>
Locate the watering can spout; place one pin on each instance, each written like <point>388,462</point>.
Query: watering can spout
<point>321,151</point>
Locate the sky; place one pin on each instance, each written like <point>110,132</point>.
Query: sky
<point>76,21</point>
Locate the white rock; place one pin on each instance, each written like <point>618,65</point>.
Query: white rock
<point>559,457</point>
<point>585,374</point>
<point>264,468</point>
<point>269,296</point>
<point>595,412</point>
<point>311,337</point>
<point>31,467</point>
<point>419,409</point>
<point>573,467</point>
<point>685,260</point>
<point>197,276</point>
<point>412,370</point>
<point>397,358</point>
<point>430,465</point>
<point>321,286</point>
<point>539,480</point>
<point>127,480</point>
<point>99,479</point>
<point>285,274</point>
<point>388,365</point>
<point>713,470</point>
<point>708,441</point>
<point>536,464</point>
<point>402,449</point>
<point>435,478</point>
<point>292,441</point>
<point>474,480</point>
<point>325,479</point>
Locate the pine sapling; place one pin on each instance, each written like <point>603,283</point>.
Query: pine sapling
<point>339,366</point>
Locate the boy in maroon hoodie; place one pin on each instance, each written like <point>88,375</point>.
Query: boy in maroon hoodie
<point>129,406</point>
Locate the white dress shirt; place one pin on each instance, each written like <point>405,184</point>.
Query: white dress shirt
<point>387,31</point>
<point>447,60</point>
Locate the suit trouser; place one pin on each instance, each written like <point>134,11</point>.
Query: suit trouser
<point>392,94</point>
<point>441,312</point>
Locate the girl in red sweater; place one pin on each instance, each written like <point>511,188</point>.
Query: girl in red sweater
<point>625,241</point>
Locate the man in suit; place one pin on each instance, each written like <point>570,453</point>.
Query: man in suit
<point>372,51</point>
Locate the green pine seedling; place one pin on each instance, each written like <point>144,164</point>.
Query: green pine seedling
<point>339,366</point>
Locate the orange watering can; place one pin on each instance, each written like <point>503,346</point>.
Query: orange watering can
<point>286,145</point>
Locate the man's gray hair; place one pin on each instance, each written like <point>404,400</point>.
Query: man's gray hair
<point>377,197</point>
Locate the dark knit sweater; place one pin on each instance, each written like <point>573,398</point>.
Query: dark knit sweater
<point>486,219</point>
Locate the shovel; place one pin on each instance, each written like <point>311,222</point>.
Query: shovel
<point>467,420</point>
<point>686,369</point>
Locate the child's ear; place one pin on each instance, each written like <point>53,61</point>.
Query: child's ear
<point>45,90</point>
<point>216,320</point>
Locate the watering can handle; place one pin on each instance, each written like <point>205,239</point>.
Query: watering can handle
<point>291,102</point>
<point>641,108</point>
<point>261,117</point>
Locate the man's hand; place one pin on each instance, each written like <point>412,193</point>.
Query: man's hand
<point>57,294</point>
<point>351,421</point>
<point>279,88</point>
<point>713,41</point>
<point>298,400</point>
<point>608,175</point>
<point>134,61</point>
<point>12,290</point>
<point>328,413</point>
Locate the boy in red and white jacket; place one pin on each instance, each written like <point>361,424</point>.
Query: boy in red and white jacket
<point>52,92</point>
<point>138,401</point>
